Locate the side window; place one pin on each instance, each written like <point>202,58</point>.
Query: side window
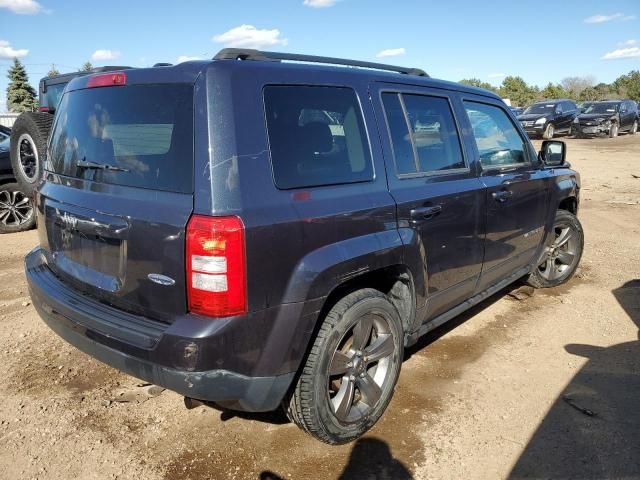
<point>559,108</point>
<point>423,133</point>
<point>317,136</point>
<point>571,106</point>
<point>497,139</point>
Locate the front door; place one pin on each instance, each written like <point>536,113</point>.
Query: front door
<point>516,191</point>
<point>440,201</point>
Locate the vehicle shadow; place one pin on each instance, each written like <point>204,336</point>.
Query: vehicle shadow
<point>279,417</point>
<point>370,458</point>
<point>439,332</point>
<point>593,429</point>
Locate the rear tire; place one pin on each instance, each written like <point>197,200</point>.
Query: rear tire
<point>28,148</point>
<point>16,209</point>
<point>352,369</point>
<point>634,128</point>
<point>562,256</point>
<point>549,132</point>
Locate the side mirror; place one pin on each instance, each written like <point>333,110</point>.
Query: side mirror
<point>553,153</point>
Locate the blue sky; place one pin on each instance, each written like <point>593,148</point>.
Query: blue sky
<point>450,39</point>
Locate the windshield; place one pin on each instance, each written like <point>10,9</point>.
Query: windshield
<point>139,136</point>
<point>602,108</point>
<point>540,108</point>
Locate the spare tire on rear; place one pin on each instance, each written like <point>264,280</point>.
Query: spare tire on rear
<point>28,148</point>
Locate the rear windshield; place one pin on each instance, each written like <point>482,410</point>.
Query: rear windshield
<point>138,136</point>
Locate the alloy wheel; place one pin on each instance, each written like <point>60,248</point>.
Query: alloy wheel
<point>15,208</point>
<point>28,154</point>
<point>360,368</point>
<point>561,254</point>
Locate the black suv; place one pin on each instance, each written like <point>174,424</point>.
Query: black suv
<point>253,232</point>
<point>546,119</point>
<point>607,118</point>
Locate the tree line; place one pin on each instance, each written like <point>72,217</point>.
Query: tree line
<point>580,89</point>
<point>22,97</point>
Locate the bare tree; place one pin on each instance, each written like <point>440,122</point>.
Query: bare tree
<point>575,85</point>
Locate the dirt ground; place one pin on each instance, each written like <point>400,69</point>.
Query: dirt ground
<point>546,386</point>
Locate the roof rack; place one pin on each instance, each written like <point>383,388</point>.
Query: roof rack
<point>258,55</point>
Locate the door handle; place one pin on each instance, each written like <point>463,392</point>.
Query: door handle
<point>502,196</point>
<point>424,213</point>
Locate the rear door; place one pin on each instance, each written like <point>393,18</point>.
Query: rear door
<point>438,195</point>
<point>516,188</point>
<point>119,193</point>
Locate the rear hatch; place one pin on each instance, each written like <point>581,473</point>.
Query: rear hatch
<point>119,193</point>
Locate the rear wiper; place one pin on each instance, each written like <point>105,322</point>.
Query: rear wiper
<point>99,166</point>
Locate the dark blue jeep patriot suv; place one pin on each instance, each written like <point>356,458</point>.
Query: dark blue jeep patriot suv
<point>265,229</point>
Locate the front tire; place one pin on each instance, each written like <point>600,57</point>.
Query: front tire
<point>549,132</point>
<point>352,369</point>
<point>562,256</point>
<point>613,131</point>
<point>28,148</point>
<point>16,209</point>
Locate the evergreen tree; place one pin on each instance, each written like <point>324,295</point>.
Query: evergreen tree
<point>53,71</point>
<point>517,90</point>
<point>475,82</point>
<point>21,96</point>
<point>86,67</point>
<point>552,91</point>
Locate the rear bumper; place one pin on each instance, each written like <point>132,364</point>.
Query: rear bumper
<point>206,359</point>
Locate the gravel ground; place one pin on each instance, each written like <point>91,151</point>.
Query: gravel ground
<point>542,385</point>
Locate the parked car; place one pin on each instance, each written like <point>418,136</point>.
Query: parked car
<point>548,118</point>
<point>607,118</point>
<point>283,242</point>
<point>16,207</point>
<point>5,132</point>
<point>31,129</point>
<point>517,110</point>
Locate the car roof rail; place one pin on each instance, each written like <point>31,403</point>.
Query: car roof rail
<point>163,64</point>
<point>259,55</point>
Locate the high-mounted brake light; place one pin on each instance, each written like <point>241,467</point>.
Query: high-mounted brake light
<point>107,80</point>
<point>216,270</point>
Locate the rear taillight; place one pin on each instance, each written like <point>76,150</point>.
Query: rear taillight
<point>44,109</point>
<point>216,271</point>
<point>107,80</point>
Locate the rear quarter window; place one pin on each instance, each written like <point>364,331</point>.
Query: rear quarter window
<point>317,136</point>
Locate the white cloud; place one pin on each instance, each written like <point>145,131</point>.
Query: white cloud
<point>497,75</point>
<point>629,43</point>
<point>320,3</point>
<point>391,52</point>
<point>7,51</point>
<point>21,7</point>
<point>103,54</point>
<point>631,52</point>
<point>248,36</point>
<point>609,18</point>
<point>187,58</point>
